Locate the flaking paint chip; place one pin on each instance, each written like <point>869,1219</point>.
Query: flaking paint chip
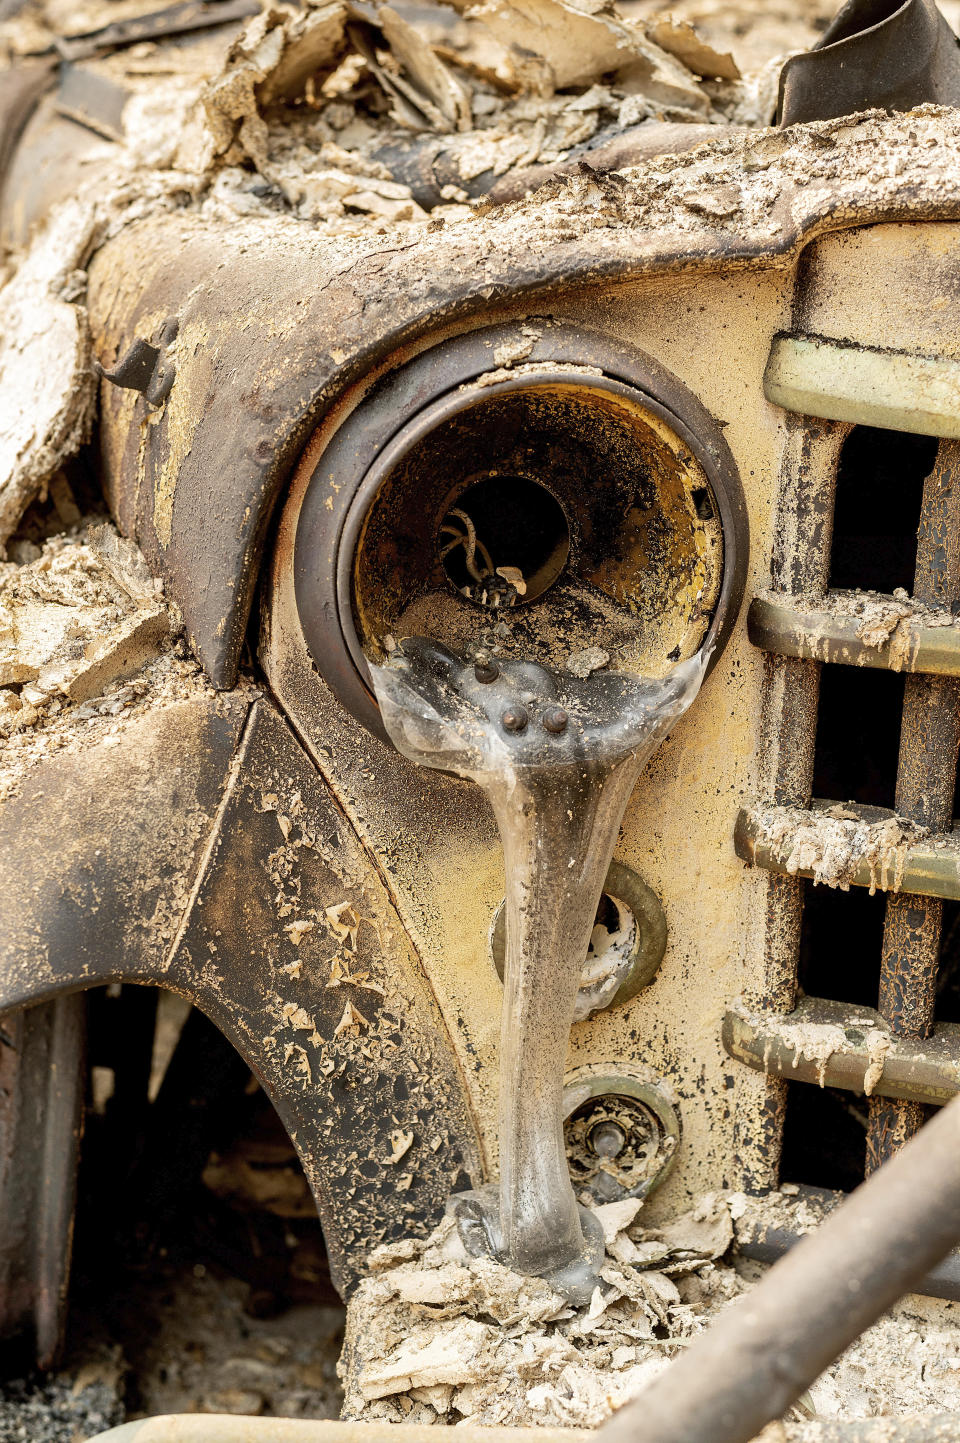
<point>351,1021</point>
<point>401,1143</point>
<point>296,931</point>
<point>343,923</point>
<point>297,1017</point>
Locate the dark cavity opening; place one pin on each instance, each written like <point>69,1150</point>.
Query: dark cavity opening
<point>703,503</point>
<point>948,977</point>
<point>824,1137</point>
<point>879,493</point>
<point>504,542</point>
<point>840,944</point>
<point>858,735</point>
<point>197,1239</point>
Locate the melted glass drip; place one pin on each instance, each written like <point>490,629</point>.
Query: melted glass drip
<point>558,757</point>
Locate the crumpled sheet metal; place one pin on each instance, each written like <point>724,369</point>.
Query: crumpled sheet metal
<point>874,52</point>
<point>275,322</point>
<point>44,358</point>
<point>210,858</point>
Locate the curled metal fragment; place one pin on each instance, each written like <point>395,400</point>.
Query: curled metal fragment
<point>875,54</point>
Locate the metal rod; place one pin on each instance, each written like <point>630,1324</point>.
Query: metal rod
<point>935,1428</point>
<point>800,563</point>
<point>774,1342</point>
<point>211,1428</point>
<point>926,776</point>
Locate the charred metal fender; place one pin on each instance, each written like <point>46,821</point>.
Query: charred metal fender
<point>210,858</point>
<point>276,323</point>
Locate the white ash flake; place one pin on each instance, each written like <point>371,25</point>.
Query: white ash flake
<point>833,845</point>
<point>87,644</point>
<point>436,1336</point>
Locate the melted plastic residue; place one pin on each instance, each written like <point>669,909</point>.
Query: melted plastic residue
<point>558,757</point>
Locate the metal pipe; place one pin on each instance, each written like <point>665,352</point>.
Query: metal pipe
<point>772,1344</point>
<point>211,1428</point>
<point>189,1428</point>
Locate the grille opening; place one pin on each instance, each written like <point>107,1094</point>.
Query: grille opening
<point>879,493</point>
<point>840,944</point>
<point>858,735</point>
<point>948,980</point>
<point>855,760</point>
<point>824,1137</point>
<point>956,796</point>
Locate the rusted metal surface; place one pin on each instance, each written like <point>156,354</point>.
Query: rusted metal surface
<point>791,628</point>
<point>92,100</point>
<point>339,1025</point>
<point>147,369</point>
<point>227,873</point>
<point>772,1344</point>
<point>22,91</point>
<point>608,150</point>
<point>41,1109</point>
<point>926,777</point>
<point>146,822</point>
<point>873,53</point>
<point>43,168</point>
<point>429,163</point>
<point>929,867</point>
<point>832,1044</point>
<point>799,562</point>
<point>766,1242</point>
<point>334,313</point>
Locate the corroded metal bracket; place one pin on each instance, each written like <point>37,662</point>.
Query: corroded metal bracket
<point>840,381</point>
<point>926,867</point>
<point>833,1044</point>
<point>828,632</point>
<point>226,872</point>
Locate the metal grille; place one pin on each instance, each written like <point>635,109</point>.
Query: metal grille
<point>802,626</point>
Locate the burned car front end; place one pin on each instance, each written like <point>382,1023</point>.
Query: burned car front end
<point>444,509</point>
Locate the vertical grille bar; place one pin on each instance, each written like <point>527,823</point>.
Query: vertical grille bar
<point>800,563</point>
<point>926,776</point>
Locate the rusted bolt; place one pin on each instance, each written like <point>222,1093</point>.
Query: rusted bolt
<point>485,669</point>
<point>514,719</point>
<point>608,1139</point>
<point>555,719</point>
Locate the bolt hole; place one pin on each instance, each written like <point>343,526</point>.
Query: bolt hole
<point>703,503</point>
<point>609,957</point>
<point>616,1147</point>
<point>504,542</point>
<point>627,943</point>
